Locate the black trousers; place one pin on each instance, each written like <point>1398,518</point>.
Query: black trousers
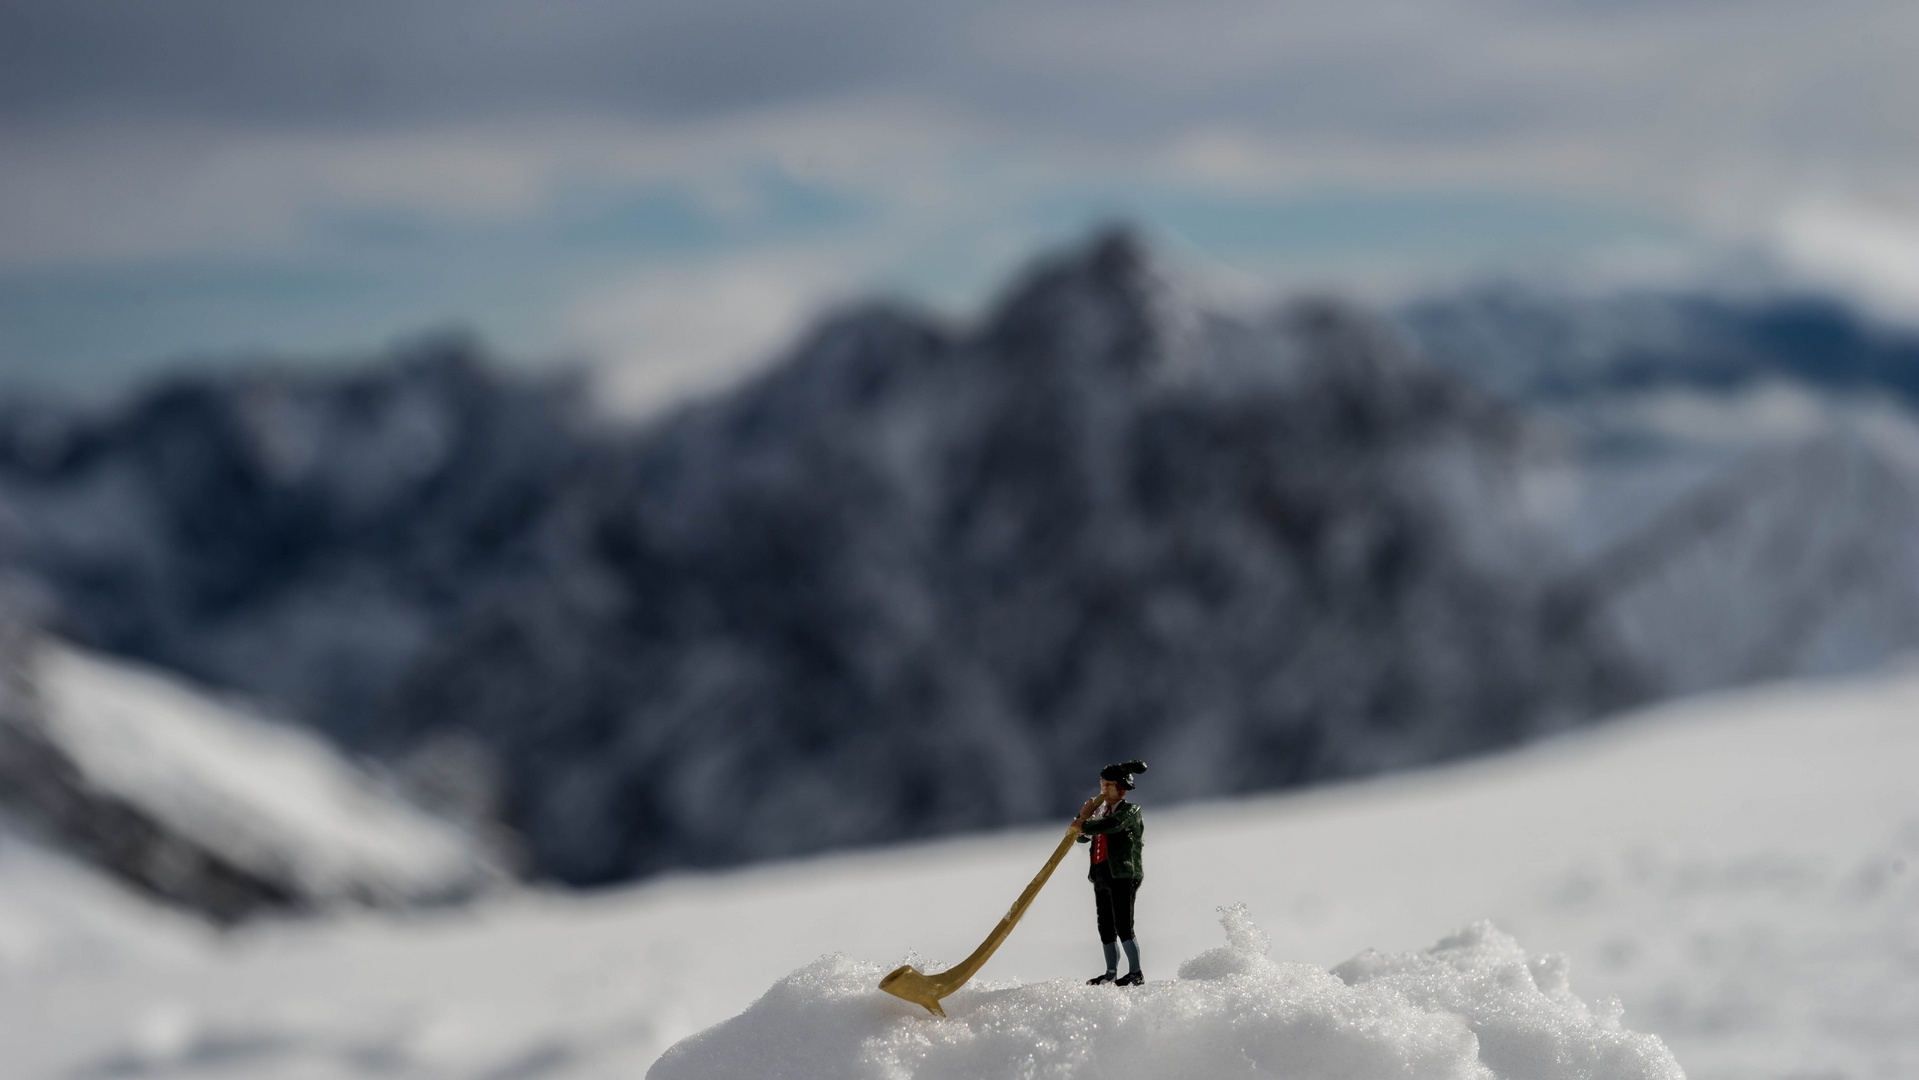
<point>1114,898</point>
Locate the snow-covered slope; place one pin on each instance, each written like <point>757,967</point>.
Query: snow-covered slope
<point>268,796</point>
<point>1737,870</point>
<point>197,801</point>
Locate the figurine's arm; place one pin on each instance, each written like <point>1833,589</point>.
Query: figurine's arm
<point>1085,809</point>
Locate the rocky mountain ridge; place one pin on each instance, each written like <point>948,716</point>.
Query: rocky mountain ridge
<point>916,578</point>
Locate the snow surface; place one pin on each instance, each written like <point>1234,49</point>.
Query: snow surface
<point>1736,870</point>
<point>272,798</point>
<point>1476,1006</point>
<point>59,915</point>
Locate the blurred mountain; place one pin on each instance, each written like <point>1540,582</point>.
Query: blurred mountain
<point>920,578</point>
<point>915,579</point>
<point>1747,498</point>
<point>197,802</point>
<point>1796,560</point>
<point>1543,346</point>
<point>298,535</point>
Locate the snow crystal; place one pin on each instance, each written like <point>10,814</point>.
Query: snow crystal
<point>1243,954</point>
<point>1475,1007</point>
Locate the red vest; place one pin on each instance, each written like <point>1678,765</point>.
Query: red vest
<point>1099,842</point>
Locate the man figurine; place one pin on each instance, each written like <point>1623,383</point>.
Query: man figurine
<point>1113,826</point>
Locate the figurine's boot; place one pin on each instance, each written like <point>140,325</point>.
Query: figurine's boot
<point>1131,978</point>
<point>1111,949</point>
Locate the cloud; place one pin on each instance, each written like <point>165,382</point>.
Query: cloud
<point>1641,76</point>
<point>1684,105</point>
<point>111,194</point>
<point>1870,251</point>
<point>365,63</point>
<point>118,192</point>
<point>461,140</point>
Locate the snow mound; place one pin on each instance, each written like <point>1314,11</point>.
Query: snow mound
<point>1474,1007</point>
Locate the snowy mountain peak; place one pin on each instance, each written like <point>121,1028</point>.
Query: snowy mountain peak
<point>1092,308</point>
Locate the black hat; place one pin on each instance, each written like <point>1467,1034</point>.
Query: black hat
<point>1122,773</point>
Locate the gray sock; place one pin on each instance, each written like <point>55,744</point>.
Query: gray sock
<point>1112,956</point>
<point>1132,954</point>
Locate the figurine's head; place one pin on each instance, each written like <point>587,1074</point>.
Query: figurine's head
<point>1116,780</point>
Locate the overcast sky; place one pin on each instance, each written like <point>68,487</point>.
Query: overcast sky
<point>671,188</point>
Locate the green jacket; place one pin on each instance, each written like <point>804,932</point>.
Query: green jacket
<point>1125,834</point>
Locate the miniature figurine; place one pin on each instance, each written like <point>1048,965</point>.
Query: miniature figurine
<point>1118,835</point>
